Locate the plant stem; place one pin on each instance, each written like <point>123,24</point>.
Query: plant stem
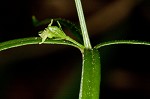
<point>85,35</point>
<point>91,76</point>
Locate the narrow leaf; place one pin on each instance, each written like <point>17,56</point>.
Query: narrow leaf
<point>32,40</point>
<point>121,42</point>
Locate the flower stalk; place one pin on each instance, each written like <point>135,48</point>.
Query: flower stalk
<point>85,35</point>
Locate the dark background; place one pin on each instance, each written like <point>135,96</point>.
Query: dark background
<point>53,71</point>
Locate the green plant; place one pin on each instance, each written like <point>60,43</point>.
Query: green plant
<point>91,69</point>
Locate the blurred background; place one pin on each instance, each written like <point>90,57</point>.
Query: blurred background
<point>54,71</point>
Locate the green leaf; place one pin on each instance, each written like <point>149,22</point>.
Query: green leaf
<point>33,40</point>
<point>121,42</point>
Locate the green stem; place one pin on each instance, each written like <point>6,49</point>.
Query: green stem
<point>75,42</point>
<point>90,81</point>
<point>85,35</point>
<point>33,40</point>
<point>121,42</point>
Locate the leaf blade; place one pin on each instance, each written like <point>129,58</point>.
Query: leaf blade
<point>32,40</point>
